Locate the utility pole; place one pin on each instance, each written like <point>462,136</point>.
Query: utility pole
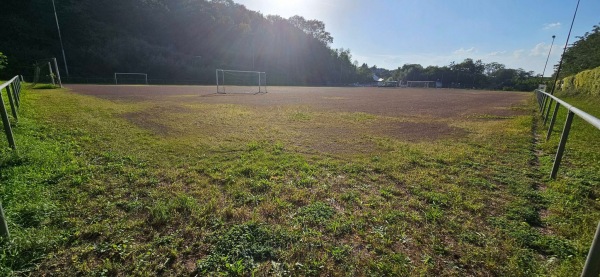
<point>60,38</point>
<point>549,51</point>
<point>564,50</point>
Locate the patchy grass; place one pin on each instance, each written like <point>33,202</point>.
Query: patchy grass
<point>181,187</point>
<point>573,209</point>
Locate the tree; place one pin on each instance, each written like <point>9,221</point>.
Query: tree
<point>166,38</point>
<point>491,69</point>
<point>409,72</point>
<point>313,27</point>
<point>583,54</point>
<point>364,73</point>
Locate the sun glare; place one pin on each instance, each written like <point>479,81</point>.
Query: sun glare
<point>287,8</point>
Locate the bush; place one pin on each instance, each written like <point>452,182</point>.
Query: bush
<point>586,82</point>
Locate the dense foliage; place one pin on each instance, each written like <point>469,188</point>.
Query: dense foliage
<point>470,74</point>
<point>583,54</point>
<point>586,82</point>
<point>170,39</point>
<point>188,39</point>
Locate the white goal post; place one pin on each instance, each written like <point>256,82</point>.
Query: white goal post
<point>238,81</point>
<point>143,77</point>
<point>421,84</point>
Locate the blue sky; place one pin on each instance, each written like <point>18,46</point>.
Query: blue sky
<point>390,33</point>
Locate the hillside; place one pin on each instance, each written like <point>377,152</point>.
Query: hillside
<point>170,39</point>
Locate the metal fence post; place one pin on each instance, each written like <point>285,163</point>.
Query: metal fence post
<point>541,99</point>
<point>57,72</point>
<point>552,120</point>
<point>6,123</point>
<point>16,93</point>
<point>545,113</point>
<point>18,85</point>
<point>3,226</point>
<point>561,145</point>
<point>592,263</point>
<point>545,102</point>
<point>11,101</point>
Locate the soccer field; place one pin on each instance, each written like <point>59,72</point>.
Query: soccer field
<point>375,100</point>
<point>321,119</point>
<point>299,181</point>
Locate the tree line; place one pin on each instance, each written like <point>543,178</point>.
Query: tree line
<point>170,39</point>
<point>189,39</point>
<point>583,54</point>
<point>467,74</point>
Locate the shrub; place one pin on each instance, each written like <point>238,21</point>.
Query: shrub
<point>586,82</point>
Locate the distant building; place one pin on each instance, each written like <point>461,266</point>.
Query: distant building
<point>382,83</point>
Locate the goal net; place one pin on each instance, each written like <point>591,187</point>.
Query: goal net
<point>46,74</point>
<point>421,84</point>
<point>236,81</point>
<point>131,78</point>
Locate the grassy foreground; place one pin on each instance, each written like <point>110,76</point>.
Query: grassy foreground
<point>105,188</point>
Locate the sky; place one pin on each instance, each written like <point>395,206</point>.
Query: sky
<point>391,33</point>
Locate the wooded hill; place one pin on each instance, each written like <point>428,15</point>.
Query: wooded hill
<point>583,54</point>
<point>171,39</point>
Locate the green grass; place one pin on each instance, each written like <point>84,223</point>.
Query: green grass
<point>573,211</point>
<point>178,187</point>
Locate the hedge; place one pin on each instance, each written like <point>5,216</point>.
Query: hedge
<point>585,82</point>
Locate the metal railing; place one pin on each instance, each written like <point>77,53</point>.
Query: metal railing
<point>13,91</point>
<point>545,101</point>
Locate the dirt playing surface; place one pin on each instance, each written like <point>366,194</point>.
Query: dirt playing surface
<point>405,113</point>
<point>379,101</point>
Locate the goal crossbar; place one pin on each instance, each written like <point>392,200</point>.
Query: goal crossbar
<point>127,73</point>
<point>424,83</point>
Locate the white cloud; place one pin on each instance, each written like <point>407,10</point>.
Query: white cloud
<point>518,53</point>
<point>551,26</point>
<point>463,51</point>
<point>496,53</point>
<point>540,49</point>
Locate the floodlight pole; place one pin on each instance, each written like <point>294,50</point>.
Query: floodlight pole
<point>253,50</point>
<point>60,39</point>
<point>564,49</point>
<point>549,51</point>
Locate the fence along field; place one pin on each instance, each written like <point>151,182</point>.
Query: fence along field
<point>306,181</point>
<point>13,93</point>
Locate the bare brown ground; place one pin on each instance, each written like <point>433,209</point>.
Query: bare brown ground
<point>373,100</point>
<point>433,109</point>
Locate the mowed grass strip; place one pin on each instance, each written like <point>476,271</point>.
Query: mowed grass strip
<point>182,187</point>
